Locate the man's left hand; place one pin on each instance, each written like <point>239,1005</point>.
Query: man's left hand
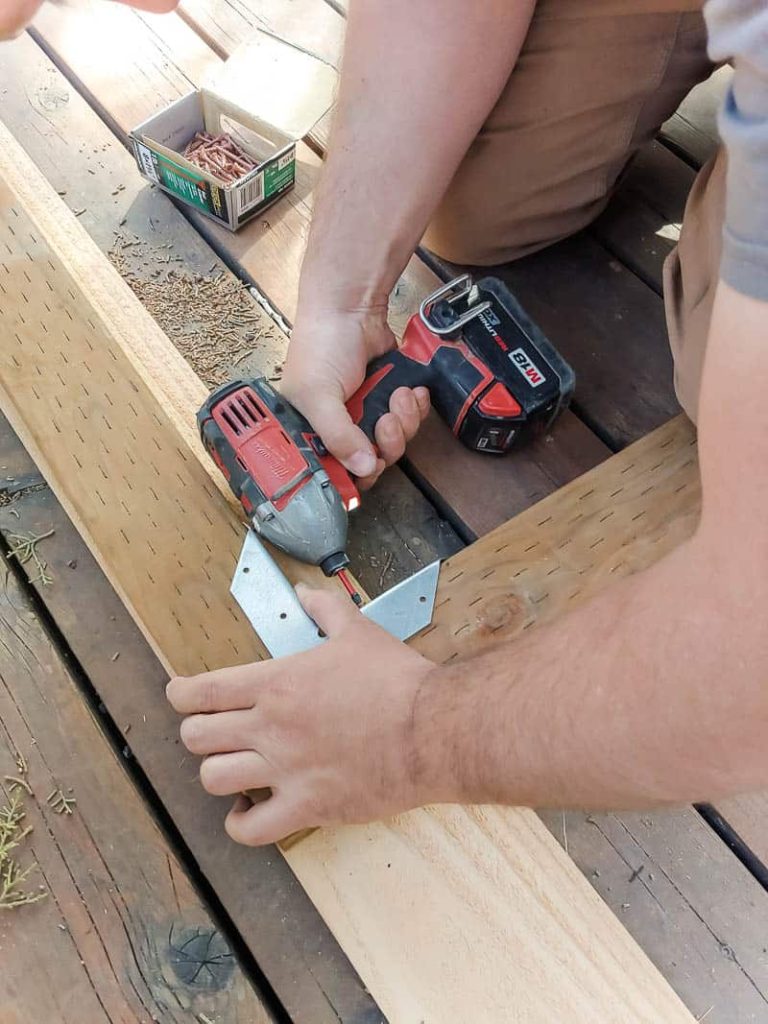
<point>335,732</point>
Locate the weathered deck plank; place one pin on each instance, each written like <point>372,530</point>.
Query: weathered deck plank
<point>117,936</point>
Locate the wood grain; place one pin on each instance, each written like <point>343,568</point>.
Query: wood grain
<point>531,489</point>
<point>619,518</point>
<point>394,533</point>
<point>654,869</point>
<point>119,937</point>
<point>496,875</point>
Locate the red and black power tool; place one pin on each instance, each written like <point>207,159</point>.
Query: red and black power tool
<point>492,376</point>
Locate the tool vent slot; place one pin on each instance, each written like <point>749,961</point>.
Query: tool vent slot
<point>242,412</point>
<point>231,422</point>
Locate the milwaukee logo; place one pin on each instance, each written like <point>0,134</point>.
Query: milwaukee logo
<point>490,322</point>
<point>527,368</point>
<point>278,462</point>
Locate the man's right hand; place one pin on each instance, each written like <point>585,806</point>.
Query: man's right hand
<point>326,364</point>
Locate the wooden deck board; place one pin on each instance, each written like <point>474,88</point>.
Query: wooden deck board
<point>117,934</point>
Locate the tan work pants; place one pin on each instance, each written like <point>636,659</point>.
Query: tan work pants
<point>594,82</point>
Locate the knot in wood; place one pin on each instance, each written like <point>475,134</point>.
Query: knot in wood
<point>504,613</point>
<point>200,958</point>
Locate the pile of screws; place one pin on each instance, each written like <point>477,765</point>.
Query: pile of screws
<point>211,318</point>
<point>220,155</point>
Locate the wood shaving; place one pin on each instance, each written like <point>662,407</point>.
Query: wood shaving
<point>211,318</point>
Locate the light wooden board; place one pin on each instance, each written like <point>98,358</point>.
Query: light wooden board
<point>532,487</point>
<point>654,870</point>
<point>272,914</point>
<point>531,484</point>
<point>496,875</point>
<point>119,936</point>
<point>616,519</point>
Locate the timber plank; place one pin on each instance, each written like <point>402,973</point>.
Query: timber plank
<point>82,158</point>
<point>704,961</point>
<point>721,971</point>
<point>488,872</point>
<point>395,533</point>
<point>641,224</point>
<point>669,912</point>
<point>269,252</point>
<point>117,937</point>
<point>620,517</point>
<point>291,943</point>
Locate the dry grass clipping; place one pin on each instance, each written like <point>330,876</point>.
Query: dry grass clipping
<point>13,832</point>
<point>24,550</point>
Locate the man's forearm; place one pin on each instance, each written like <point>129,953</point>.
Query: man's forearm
<point>654,692</point>
<point>418,81</point>
<point>634,700</point>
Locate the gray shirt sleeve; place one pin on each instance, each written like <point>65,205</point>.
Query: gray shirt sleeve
<point>738,31</point>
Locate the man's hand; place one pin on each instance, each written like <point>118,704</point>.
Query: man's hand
<point>387,167</point>
<point>15,15</point>
<point>335,733</point>
<point>326,364</point>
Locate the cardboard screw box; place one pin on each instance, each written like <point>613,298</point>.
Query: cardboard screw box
<point>266,96</point>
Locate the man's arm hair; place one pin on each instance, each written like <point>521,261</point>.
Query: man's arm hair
<point>656,691</point>
<point>418,80</point>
